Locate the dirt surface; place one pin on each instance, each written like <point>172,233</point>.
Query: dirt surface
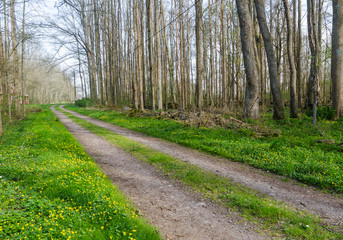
<point>327,206</point>
<point>172,208</point>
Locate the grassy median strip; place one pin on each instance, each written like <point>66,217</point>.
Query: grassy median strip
<point>277,218</point>
<point>295,154</point>
<point>51,189</point>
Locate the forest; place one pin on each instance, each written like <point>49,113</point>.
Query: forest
<point>171,119</point>
<point>244,57</point>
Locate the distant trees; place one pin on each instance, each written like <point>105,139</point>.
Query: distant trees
<point>22,76</point>
<point>240,57</point>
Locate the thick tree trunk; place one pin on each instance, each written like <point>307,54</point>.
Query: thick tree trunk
<point>251,106</point>
<point>290,51</point>
<point>312,81</point>
<point>279,110</point>
<point>337,57</point>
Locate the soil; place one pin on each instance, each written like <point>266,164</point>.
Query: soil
<point>177,212</point>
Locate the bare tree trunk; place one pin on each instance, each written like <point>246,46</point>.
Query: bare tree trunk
<point>98,52</point>
<point>299,62</point>
<point>23,94</point>
<point>251,106</point>
<point>312,84</point>
<point>319,47</point>
<point>182,58</point>
<point>279,110</point>
<point>158,58</point>
<point>337,57</point>
<point>1,79</point>
<point>223,55</point>
<point>15,58</point>
<point>166,57</point>
<point>290,50</point>
<point>151,57</point>
<point>198,26</point>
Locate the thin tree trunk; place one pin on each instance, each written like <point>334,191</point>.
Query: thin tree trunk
<point>290,50</point>
<point>158,59</point>
<point>299,62</point>
<point>23,95</point>
<point>199,70</point>
<point>151,58</point>
<point>15,58</point>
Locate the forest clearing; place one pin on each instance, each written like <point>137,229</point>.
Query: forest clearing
<point>167,119</point>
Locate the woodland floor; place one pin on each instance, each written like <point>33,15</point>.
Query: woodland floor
<point>176,211</point>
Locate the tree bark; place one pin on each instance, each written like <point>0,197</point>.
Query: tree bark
<point>15,58</point>
<point>299,62</point>
<point>279,110</point>
<point>151,58</point>
<point>312,83</point>
<point>198,26</point>
<point>337,57</point>
<point>251,106</point>
<point>290,51</point>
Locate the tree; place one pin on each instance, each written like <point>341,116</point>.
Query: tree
<point>198,26</point>
<point>337,57</point>
<point>312,37</point>
<point>151,57</point>
<point>15,57</point>
<point>290,52</point>
<point>251,107</point>
<point>273,74</point>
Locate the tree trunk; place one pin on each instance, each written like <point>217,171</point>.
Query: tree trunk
<point>337,57</point>
<point>279,110</point>
<point>251,106</point>
<point>151,57</point>
<point>299,49</point>
<point>223,55</point>
<point>312,83</point>
<point>290,51</point>
<point>15,58</point>
<point>23,94</point>
<point>198,26</point>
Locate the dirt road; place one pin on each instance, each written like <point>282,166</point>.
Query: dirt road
<point>327,206</point>
<point>172,208</point>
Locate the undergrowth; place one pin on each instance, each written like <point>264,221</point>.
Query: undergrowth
<point>295,154</point>
<point>51,189</point>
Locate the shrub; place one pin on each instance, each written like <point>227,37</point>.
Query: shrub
<point>84,102</point>
<point>325,112</point>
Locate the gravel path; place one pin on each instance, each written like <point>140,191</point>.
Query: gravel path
<point>171,207</point>
<point>327,206</point>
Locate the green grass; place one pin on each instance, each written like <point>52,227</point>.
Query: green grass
<point>275,217</point>
<point>295,154</point>
<point>51,189</point>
